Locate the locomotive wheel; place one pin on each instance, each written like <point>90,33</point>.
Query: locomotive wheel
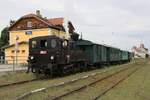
<point>79,67</point>
<point>35,70</point>
<point>84,66</point>
<point>76,67</point>
<point>67,69</point>
<point>64,70</point>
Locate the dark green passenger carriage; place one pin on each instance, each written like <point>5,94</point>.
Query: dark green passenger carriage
<point>113,55</point>
<point>124,56</point>
<point>96,53</point>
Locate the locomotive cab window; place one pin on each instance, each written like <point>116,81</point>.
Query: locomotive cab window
<point>65,43</point>
<point>43,43</point>
<point>34,43</point>
<point>53,43</point>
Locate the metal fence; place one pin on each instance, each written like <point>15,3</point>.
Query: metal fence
<point>13,63</point>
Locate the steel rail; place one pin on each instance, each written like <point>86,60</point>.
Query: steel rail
<point>19,83</point>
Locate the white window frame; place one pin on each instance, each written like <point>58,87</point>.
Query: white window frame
<point>29,24</point>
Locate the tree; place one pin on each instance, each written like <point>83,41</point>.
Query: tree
<point>4,37</point>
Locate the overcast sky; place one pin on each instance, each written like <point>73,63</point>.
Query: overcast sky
<point>120,23</point>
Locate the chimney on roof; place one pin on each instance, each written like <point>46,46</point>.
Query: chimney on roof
<point>12,22</point>
<point>142,45</point>
<point>38,13</point>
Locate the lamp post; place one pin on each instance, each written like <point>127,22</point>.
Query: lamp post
<point>16,51</point>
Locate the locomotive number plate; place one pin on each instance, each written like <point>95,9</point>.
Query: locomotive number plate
<point>43,52</point>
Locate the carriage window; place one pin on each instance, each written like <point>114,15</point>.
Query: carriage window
<point>34,44</point>
<point>53,43</point>
<point>43,43</point>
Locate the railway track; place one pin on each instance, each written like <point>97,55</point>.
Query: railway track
<point>67,83</point>
<point>19,83</point>
<point>80,89</point>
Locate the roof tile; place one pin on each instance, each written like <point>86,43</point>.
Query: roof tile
<point>56,21</point>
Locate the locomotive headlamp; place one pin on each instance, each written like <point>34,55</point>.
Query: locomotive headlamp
<point>31,57</point>
<point>52,57</point>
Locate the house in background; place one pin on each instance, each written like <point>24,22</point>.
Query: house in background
<point>140,52</point>
<point>29,26</point>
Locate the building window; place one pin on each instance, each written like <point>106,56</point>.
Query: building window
<point>34,44</point>
<point>12,51</point>
<point>23,51</point>
<point>18,51</point>
<point>29,24</point>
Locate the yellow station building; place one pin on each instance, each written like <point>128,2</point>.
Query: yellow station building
<point>29,26</point>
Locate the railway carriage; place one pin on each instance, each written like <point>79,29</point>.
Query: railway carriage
<point>130,56</point>
<point>113,55</point>
<point>96,53</point>
<point>124,56</point>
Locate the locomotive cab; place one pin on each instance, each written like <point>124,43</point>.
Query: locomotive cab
<point>46,52</point>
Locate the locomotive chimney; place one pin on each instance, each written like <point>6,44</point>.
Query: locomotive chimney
<point>38,13</point>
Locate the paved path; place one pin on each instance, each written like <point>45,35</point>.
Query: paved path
<point>6,68</point>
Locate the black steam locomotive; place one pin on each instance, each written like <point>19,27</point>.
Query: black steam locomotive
<point>55,56</point>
